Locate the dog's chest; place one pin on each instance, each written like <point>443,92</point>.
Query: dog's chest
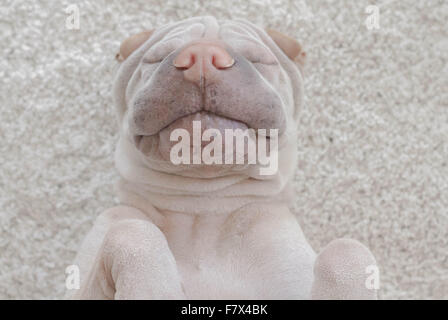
<point>217,259</point>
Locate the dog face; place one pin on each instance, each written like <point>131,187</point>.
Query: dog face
<point>225,74</point>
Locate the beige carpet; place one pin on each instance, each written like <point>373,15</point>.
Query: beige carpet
<point>373,161</point>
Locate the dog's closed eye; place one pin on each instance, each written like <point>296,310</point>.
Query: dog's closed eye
<point>161,50</point>
<point>254,52</point>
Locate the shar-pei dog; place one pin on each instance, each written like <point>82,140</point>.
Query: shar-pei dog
<point>201,217</point>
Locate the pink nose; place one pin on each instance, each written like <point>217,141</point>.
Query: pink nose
<point>201,60</point>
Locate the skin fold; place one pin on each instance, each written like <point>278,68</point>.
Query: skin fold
<point>197,231</point>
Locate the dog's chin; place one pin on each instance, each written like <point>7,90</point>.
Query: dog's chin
<point>192,129</point>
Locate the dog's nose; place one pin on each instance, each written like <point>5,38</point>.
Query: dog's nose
<point>201,60</point>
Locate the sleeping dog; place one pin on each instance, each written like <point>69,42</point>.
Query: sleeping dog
<point>218,230</point>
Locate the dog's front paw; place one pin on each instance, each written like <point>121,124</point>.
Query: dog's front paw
<point>343,270</point>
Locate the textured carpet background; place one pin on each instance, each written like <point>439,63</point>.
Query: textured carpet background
<point>373,161</point>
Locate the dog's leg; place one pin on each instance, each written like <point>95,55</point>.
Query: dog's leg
<point>126,256</point>
<point>344,270</point>
<point>140,263</point>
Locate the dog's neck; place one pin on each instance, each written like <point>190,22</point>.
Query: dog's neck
<point>158,193</point>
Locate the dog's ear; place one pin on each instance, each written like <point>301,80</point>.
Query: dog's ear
<point>131,44</point>
<point>290,46</point>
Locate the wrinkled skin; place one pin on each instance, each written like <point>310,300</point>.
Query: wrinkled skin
<point>217,97</point>
<point>226,75</point>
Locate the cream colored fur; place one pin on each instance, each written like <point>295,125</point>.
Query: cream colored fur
<point>181,235</point>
